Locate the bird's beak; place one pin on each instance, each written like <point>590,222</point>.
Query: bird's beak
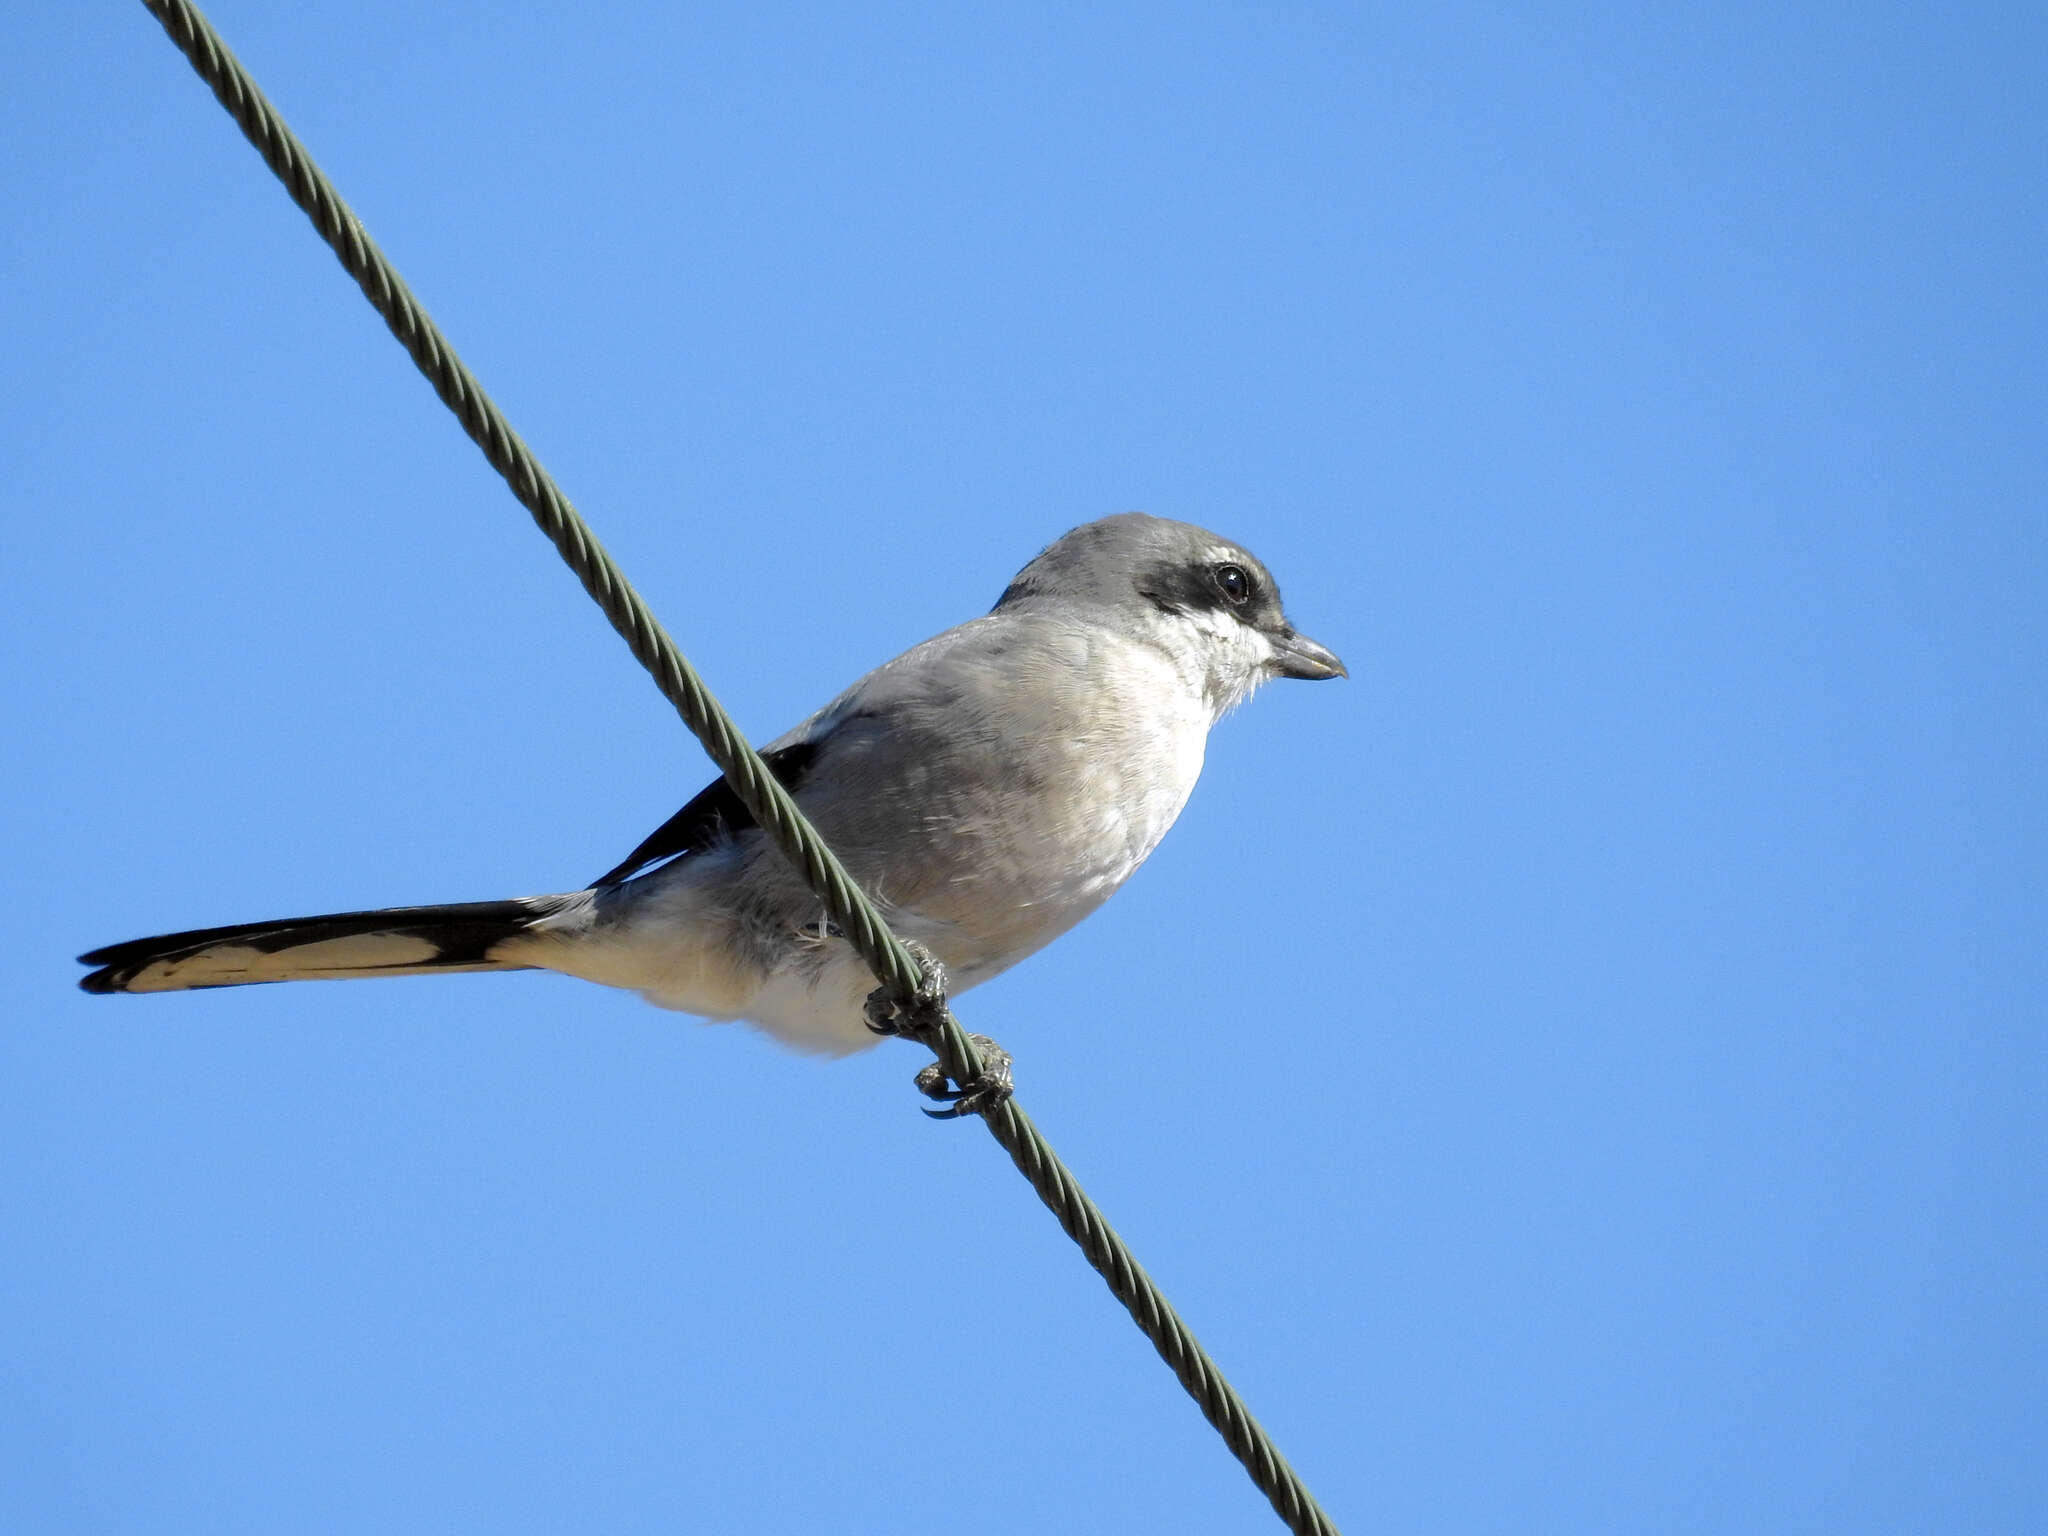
<point>1295,655</point>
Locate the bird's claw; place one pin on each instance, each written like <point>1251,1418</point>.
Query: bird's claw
<point>922,1017</point>
<point>977,1096</point>
<point>922,1014</point>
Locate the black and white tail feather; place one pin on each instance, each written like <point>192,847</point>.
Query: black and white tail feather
<point>410,941</point>
<point>396,941</point>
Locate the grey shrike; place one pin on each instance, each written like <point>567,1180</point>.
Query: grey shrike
<point>988,789</point>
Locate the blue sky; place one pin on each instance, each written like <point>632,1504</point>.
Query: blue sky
<point>1585,1073</point>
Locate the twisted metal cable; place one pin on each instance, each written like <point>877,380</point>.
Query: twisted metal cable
<point>757,788</point>
<point>1200,1377</point>
<point>536,490</point>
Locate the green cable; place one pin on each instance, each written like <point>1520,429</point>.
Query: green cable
<point>885,954</point>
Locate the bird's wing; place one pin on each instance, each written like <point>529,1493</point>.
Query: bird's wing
<point>713,815</point>
<point>885,729</point>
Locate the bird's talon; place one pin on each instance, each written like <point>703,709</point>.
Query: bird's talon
<point>881,1014</point>
<point>923,1013</point>
<point>992,1087</point>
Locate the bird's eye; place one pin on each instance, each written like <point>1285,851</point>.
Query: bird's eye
<point>1234,582</point>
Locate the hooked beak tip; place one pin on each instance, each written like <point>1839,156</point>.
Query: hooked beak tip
<point>1295,655</point>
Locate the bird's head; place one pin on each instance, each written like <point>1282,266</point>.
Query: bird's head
<point>1210,603</point>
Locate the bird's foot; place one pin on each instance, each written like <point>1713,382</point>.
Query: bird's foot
<point>920,1016</point>
<point>979,1094</point>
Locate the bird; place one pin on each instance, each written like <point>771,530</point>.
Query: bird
<point>988,789</point>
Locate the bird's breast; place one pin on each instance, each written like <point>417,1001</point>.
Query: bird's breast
<point>1077,760</point>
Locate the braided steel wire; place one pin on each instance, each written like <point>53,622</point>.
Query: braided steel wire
<point>763,795</point>
<point>1200,1377</point>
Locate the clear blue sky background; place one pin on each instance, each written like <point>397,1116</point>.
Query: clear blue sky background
<point>1584,1074</point>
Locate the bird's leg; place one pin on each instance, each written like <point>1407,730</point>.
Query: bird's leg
<point>922,1018</point>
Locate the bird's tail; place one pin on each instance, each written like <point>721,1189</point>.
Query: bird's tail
<point>397,941</point>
